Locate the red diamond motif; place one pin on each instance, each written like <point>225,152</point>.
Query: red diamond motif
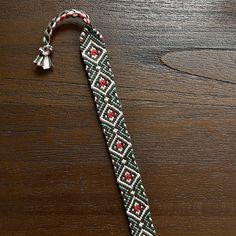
<point>119,145</point>
<point>93,52</point>
<point>102,83</point>
<point>137,208</point>
<point>128,177</point>
<point>110,114</point>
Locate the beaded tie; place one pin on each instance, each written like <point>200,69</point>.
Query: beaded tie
<point>111,117</point>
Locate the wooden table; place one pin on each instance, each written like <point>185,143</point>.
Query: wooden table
<point>175,68</point>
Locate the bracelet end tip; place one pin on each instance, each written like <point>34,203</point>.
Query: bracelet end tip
<point>43,60</point>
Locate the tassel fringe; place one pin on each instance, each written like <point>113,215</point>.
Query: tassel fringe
<point>43,60</point>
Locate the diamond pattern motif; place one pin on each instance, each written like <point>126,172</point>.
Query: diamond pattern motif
<point>119,146</point>
<point>110,115</point>
<point>117,137</point>
<point>93,52</point>
<point>128,177</point>
<point>137,208</point>
<point>102,83</point>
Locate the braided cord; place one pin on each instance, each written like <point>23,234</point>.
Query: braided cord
<point>43,60</point>
<point>109,110</point>
<point>60,17</point>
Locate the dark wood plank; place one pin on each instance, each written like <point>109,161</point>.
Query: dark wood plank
<point>217,65</point>
<point>174,63</point>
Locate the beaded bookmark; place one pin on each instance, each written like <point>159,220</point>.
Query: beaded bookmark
<point>109,110</point>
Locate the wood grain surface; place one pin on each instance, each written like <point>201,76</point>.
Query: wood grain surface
<point>175,68</point>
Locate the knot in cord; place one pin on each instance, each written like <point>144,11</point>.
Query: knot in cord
<point>45,50</point>
<point>43,60</point>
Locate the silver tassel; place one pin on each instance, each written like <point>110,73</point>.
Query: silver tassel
<point>43,60</point>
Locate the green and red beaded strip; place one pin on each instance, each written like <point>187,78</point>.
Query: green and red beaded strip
<point>112,121</point>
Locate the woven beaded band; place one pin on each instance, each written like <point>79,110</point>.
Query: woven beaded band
<point>111,117</point>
